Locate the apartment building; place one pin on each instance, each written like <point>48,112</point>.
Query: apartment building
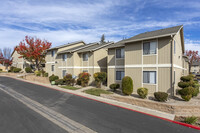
<point>19,62</point>
<point>76,58</point>
<point>195,67</point>
<point>152,59</point>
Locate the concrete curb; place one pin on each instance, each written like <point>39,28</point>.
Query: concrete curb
<point>150,112</point>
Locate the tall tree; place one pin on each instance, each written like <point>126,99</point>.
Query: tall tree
<point>5,57</point>
<point>193,56</point>
<point>33,50</point>
<point>102,39</point>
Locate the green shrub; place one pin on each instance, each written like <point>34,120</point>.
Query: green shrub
<point>127,85</point>
<point>16,70</point>
<point>59,82</point>
<point>196,92</point>
<point>186,78</point>
<point>187,93</point>
<point>37,73</point>
<point>78,81</point>
<point>191,120</point>
<point>142,92</point>
<point>99,77</point>
<point>68,78</point>
<point>28,70</point>
<point>9,71</point>
<point>42,72</point>
<point>46,74</point>
<point>84,78</point>
<point>0,70</point>
<point>53,78</point>
<point>192,76</point>
<point>12,68</point>
<point>114,87</point>
<point>183,84</point>
<point>161,96</point>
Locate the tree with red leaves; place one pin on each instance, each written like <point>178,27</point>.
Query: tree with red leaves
<point>33,50</point>
<point>193,56</point>
<point>5,57</point>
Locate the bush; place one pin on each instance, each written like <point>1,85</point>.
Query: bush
<point>28,70</point>
<point>187,93</point>
<point>84,78</point>
<point>12,68</point>
<point>127,85</point>
<point>142,92</point>
<point>191,120</point>
<point>9,71</point>
<point>186,78</point>
<point>46,74</point>
<point>68,78</point>
<point>192,76</point>
<point>0,70</point>
<point>42,72</point>
<point>59,82</point>
<point>16,70</point>
<point>78,81</point>
<point>196,92</point>
<point>114,87</point>
<point>37,73</point>
<point>99,77</point>
<point>183,84</point>
<point>161,96</point>
<point>53,78</point>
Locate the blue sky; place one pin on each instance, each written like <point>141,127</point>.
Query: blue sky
<point>66,21</point>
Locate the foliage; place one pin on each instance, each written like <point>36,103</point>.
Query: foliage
<point>191,120</point>
<point>186,78</point>
<point>186,93</point>
<point>28,70</point>
<point>12,68</point>
<point>99,78</point>
<point>102,39</point>
<point>97,91</point>
<point>53,77</point>
<point>42,72</point>
<point>78,81</point>
<point>37,73</point>
<point>46,74</point>
<point>59,82</point>
<point>142,92</point>
<point>33,50</point>
<point>161,96</point>
<point>0,70</point>
<point>68,78</point>
<point>70,87</point>
<point>5,57</point>
<point>193,56</point>
<point>16,70</point>
<point>127,85</point>
<point>84,78</point>
<point>114,87</point>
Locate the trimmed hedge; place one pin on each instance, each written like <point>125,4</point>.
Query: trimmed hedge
<point>12,68</point>
<point>186,78</point>
<point>46,74</point>
<point>142,92</point>
<point>28,70</point>
<point>59,82</point>
<point>114,87</point>
<point>53,78</point>
<point>99,77</point>
<point>187,93</point>
<point>127,85</point>
<point>37,73</point>
<point>161,96</point>
<point>68,79</point>
<point>16,70</point>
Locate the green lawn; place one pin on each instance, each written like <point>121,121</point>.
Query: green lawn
<point>97,91</point>
<point>70,87</point>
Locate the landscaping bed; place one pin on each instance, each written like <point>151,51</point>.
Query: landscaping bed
<point>97,91</point>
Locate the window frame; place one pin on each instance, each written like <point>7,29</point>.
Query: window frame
<point>86,56</point>
<point>63,73</point>
<point>64,57</point>
<point>52,68</point>
<point>52,53</point>
<point>121,75</point>
<point>148,78</point>
<point>122,53</point>
<point>149,48</point>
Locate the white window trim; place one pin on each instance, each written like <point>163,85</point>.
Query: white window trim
<point>87,58</point>
<point>116,54</point>
<point>116,74</point>
<point>150,44</point>
<point>149,83</point>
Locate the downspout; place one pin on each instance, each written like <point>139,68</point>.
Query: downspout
<point>172,67</point>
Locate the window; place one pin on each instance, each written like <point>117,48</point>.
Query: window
<point>149,77</point>
<point>174,47</point>
<point>85,71</point>
<point>119,75</point>
<point>64,73</point>
<point>64,57</point>
<point>149,48</point>
<point>52,68</point>
<point>85,57</point>
<point>52,53</point>
<point>120,53</point>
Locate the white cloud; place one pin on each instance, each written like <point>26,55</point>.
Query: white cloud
<point>192,45</point>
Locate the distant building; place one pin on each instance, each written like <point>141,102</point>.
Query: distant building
<point>195,68</point>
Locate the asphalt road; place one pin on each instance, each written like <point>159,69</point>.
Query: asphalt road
<point>99,117</point>
<point>18,118</point>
